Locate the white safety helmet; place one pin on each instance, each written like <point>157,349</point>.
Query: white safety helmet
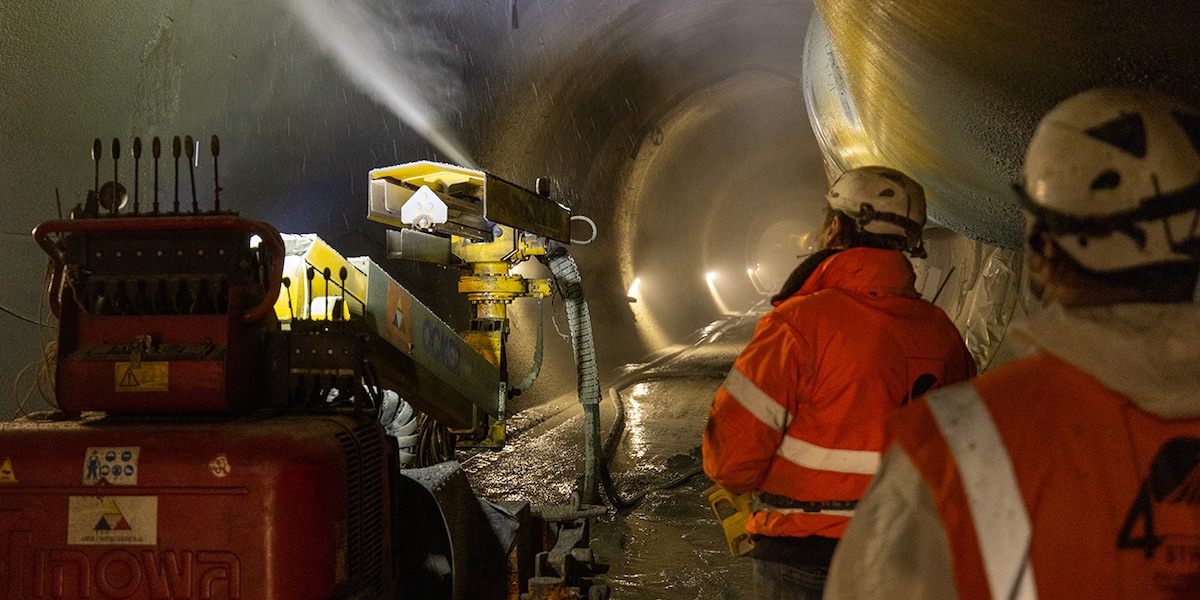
<point>882,201</point>
<point>1113,176</point>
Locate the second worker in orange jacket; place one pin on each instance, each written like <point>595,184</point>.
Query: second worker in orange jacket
<point>799,420</point>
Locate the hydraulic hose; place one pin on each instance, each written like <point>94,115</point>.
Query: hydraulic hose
<point>399,419</point>
<point>596,471</point>
<point>570,285</point>
<point>538,351</point>
<point>610,490</point>
<point>643,373</point>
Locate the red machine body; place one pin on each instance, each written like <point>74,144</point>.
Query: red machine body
<point>162,314</point>
<point>191,483</point>
<point>198,363</point>
<point>285,508</point>
<point>203,450</point>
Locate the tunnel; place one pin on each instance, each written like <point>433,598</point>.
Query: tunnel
<point>697,138</point>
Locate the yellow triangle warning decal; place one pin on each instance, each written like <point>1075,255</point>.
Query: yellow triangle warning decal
<point>6,472</point>
<point>147,377</point>
<point>129,379</point>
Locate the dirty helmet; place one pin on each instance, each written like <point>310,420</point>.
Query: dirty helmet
<point>882,201</point>
<point>1113,176</point>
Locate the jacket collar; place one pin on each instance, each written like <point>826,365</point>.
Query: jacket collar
<point>864,270</point>
<point>1148,352</point>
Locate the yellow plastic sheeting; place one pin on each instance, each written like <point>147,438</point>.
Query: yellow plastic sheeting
<point>950,90</point>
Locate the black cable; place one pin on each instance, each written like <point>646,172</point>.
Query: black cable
<point>610,445</point>
<point>435,443</point>
<point>618,426</point>
<point>375,391</point>
<point>13,313</point>
<point>624,504</point>
<point>939,290</point>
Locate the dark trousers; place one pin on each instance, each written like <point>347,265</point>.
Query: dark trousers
<point>777,581</point>
<point>791,568</point>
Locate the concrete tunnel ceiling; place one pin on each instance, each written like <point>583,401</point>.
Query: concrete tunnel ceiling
<point>678,126</point>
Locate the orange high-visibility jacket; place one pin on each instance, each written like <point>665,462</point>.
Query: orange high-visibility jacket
<point>801,413</point>
<point>1049,485</point>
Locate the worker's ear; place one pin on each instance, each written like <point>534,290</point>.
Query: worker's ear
<point>831,235</point>
<point>1043,258</point>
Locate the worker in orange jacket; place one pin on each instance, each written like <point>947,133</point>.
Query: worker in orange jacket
<point>1075,471</point>
<point>799,419</point>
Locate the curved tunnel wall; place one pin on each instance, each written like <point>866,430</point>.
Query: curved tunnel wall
<point>718,205</point>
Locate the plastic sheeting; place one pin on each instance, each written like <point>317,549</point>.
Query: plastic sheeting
<point>981,287</point>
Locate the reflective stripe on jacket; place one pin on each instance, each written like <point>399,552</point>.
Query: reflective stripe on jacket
<point>801,412</point>
<point>1051,486</point>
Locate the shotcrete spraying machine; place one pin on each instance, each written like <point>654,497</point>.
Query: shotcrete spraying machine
<point>237,410</point>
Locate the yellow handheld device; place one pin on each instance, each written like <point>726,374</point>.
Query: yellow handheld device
<point>732,511</point>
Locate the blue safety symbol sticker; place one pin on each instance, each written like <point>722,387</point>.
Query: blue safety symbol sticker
<point>111,466</point>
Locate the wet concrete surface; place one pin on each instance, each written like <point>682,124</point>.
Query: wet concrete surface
<point>669,545</point>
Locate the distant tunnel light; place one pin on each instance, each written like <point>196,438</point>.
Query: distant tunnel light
<point>635,288</point>
<point>711,278</point>
<point>755,279</point>
<point>644,316</point>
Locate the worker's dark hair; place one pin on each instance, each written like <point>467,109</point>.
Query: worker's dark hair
<point>1161,279</point>
<point>801,273</point>
<point>853,236</point>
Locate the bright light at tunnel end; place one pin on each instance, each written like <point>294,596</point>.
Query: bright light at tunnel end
<point>711,278</point>
<point>634,288</point>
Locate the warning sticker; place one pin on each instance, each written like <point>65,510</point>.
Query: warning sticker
<point>111,465</point>
<point>145,377</point>
<point>112,520</point>
<point>7,475</point>
<point>220,466</point>
<point>399,320</point>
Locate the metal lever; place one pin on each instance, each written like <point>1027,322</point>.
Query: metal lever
<point>156,150</point>
<point>287,285</point>
<point>115,198</point>
<point>190,149</point>
<point>175,149</point>
<point>216,151</point>
<point>137,154</point>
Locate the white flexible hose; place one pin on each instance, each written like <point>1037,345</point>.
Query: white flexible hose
<point>570,285</point>
<point>399,420</point>
<point>595,230</point>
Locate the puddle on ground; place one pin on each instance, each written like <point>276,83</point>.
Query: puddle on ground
<point>670,546</point>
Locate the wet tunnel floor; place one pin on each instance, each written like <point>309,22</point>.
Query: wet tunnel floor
<point>670,545</point>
